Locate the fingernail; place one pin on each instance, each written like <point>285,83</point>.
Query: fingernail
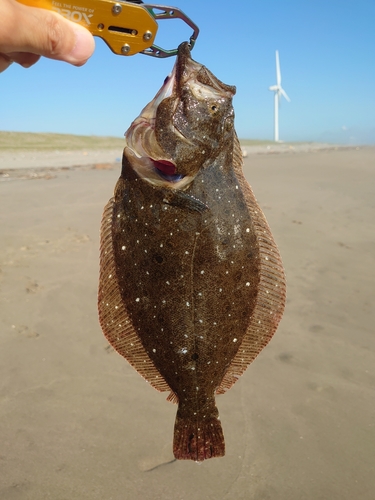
<point>84,46</point>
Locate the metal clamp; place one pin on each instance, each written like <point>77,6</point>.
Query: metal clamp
<point>169,13</point>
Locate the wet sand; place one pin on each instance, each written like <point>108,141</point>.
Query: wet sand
<point>78,423</point>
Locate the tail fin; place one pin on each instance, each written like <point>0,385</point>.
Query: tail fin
<point>198,439</point>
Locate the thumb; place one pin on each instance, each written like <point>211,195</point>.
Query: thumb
<point>46,33</point>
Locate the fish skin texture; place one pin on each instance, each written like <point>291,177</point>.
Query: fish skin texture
<point>192,286</point>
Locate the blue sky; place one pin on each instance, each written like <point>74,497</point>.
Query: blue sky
<point>327,57</point>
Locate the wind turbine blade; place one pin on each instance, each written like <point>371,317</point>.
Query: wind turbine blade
<point>282,91</point>
<point>278,74</point>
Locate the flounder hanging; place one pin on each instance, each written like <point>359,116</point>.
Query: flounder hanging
<point>191,282</point>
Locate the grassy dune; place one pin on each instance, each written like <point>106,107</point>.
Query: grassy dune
<point>47,142</point>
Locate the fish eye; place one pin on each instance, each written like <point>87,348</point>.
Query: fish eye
<point>214,108</point>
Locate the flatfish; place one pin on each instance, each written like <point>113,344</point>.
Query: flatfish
<point>192,286</point>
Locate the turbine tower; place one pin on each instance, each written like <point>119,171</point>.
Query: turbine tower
<point>279,91</point>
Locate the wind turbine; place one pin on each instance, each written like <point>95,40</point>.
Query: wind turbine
<point>279,91</point>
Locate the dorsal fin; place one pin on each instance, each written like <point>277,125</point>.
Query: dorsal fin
<point>271,295</point>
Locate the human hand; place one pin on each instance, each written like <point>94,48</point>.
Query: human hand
<point>28,32</point>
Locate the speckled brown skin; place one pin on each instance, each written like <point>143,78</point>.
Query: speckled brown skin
<point>192,286</point>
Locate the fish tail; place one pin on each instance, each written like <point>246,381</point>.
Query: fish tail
<point>198,440</point>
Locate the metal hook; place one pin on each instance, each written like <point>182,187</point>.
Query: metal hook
<point>169,13</point>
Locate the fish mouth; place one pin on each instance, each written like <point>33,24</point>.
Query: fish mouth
<point>143,150</point>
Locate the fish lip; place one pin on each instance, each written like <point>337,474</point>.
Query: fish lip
<point>142,148</point>
<point>140,136</point>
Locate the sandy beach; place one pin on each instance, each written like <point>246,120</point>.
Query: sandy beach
<point>78,423</point>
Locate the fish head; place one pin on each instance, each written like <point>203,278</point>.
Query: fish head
<point>185,127</point>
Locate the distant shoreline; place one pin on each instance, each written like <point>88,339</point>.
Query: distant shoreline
<point>296,147</point>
